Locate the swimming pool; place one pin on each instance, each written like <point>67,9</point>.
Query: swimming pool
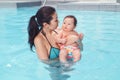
<point>100,57</point>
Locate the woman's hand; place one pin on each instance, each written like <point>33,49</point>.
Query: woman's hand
<point>81,35</point>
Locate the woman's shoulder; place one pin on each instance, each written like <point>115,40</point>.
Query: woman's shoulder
<point>38,39</point>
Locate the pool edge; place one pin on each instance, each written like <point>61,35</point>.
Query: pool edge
<point>18,4</point>
<point>61,5</point>
<point>115,7</point>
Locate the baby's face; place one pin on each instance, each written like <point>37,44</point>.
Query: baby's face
<point>68,24</point>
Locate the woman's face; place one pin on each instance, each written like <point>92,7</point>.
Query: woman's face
<point>54,22</point>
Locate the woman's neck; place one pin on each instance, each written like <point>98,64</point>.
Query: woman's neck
<point>46,31</point>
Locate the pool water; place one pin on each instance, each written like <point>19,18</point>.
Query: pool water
<point>100,57</point>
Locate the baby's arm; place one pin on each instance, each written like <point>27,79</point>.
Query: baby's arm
<point>74,38</point>
<point>59,38</point>
<point>71,39</point>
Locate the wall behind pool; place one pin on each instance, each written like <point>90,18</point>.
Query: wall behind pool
<point>94,5</point>
<point>118,1</point>
<point>19,3</point>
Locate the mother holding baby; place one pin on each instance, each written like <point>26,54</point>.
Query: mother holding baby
<point>42,33</point>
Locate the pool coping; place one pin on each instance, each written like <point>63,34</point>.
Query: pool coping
<point>96,6</point>
<point>19,3</point>
<point>68,5</point>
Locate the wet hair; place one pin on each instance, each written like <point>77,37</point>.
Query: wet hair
<point>71,16</point>
<point>43,15</point>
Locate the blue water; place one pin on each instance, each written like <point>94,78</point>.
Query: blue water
<point>100,57</point>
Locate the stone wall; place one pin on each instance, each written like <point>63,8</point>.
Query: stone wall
<point>118,1</point>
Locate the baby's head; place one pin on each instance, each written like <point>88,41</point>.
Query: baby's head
<point>69,23</point>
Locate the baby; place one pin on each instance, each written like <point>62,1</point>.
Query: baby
<point>68,40</point>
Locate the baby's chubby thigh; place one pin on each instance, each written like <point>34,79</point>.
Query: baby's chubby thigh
<point>76,55</point>
<point>63,55</point>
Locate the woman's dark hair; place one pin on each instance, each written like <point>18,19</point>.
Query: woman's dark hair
<point>71,16</point>
<point>44,14</point>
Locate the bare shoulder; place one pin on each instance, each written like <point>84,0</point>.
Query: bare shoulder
<point>40,47</point>
<point>38,40</point>
<point>73,33</point>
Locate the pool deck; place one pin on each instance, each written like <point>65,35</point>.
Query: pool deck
<point>65,4</point>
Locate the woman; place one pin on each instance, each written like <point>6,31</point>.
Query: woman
<point>41,32</point>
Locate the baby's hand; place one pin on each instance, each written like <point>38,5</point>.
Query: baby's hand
<point>63,41</point>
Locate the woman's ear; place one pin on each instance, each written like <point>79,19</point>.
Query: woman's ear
<point>44,24</point>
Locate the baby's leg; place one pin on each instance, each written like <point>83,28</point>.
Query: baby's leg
<point>63,55</point>
<point>76,55</point>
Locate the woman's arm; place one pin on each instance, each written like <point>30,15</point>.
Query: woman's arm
<point>41,49</point>
<point>81,35</point>
<point>79,42</point>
